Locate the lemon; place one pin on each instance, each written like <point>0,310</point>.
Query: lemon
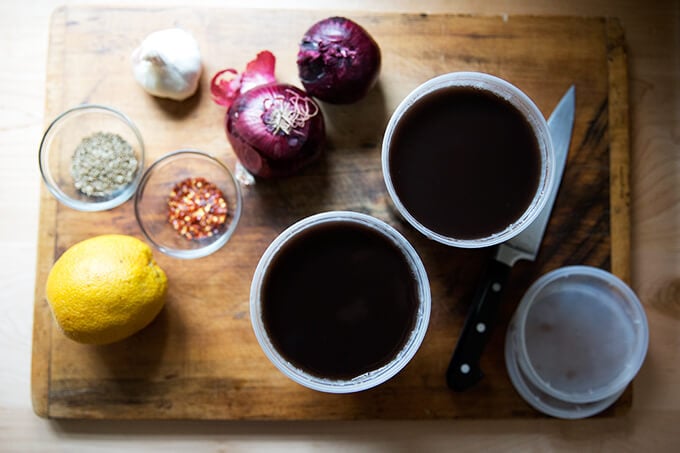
<point>105,288</point>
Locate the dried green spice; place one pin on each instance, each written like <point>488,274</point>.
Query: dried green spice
<point>103,163</point>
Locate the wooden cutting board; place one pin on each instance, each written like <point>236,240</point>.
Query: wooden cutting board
<point>199,359</point>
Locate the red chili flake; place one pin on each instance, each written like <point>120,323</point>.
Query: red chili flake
<point>196,208</point>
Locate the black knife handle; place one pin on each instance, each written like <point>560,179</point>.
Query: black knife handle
<point>464,370</point>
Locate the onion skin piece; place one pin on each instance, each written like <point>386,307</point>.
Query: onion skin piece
<point>227,84</point>
<point>338,61</point>
<point>269,154</point>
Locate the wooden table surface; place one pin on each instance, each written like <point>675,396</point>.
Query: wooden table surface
<point>653,36</point>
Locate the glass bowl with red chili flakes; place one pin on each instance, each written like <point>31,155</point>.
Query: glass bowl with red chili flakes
<point>188,204</point>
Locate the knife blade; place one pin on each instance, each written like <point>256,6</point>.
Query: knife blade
<point>464,370</point>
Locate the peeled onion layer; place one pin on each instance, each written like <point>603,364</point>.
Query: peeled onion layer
<point>338,61</point>
<point>227,84</point>
<point>275,129</point>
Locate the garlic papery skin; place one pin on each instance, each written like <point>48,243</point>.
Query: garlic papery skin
<point>167,64</point>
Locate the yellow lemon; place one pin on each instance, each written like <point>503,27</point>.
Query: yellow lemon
<point>105,289</point>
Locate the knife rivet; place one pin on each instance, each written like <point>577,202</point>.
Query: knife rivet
<point>481,327</point>
<point>465,368</point>
<point>496,287</point>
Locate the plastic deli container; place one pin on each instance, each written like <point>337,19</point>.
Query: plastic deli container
<point>533,116</point>
<point>400,357</point>
<point>577,339</point>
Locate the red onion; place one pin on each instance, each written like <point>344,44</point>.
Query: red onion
<point>338,61</point>
<point>275,129</point>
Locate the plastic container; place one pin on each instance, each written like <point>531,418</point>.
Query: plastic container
<point>534,117</point>
<point>371,378</point>
<point>578,338</point>
<point>151,202</point>
<point>60,141</point>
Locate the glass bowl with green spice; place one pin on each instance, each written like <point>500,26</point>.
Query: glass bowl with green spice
<point>188,204</point>
<point>91,157</point>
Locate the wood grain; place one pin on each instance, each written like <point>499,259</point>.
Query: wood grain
<point>619,154</point>
<point>199,359</point>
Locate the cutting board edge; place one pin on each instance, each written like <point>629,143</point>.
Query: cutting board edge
<point>619,154</point>
<point>46,242</point>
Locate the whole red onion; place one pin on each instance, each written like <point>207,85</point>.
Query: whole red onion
<point>275,129</point>
<point>338,61</point>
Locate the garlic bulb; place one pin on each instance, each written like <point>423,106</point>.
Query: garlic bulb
<point>167,64</point>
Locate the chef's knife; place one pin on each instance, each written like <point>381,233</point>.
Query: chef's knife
<point>464,370</point>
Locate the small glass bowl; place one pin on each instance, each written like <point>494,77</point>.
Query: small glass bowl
<point>153,193</point>
<point>60,141</point>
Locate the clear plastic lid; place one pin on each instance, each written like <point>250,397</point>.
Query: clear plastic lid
<point>580,335</point>
<point>540,400</point>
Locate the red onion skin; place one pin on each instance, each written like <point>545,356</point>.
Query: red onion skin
<point>225,88</point>
<point>263,153</point>
<point>338,61</point>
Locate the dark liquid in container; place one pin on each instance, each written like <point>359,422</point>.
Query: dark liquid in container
<point>339,300</point>
<point>464,162</point>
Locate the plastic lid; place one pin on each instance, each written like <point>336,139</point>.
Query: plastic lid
<point>540,400</point>
<point>581,335</point>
